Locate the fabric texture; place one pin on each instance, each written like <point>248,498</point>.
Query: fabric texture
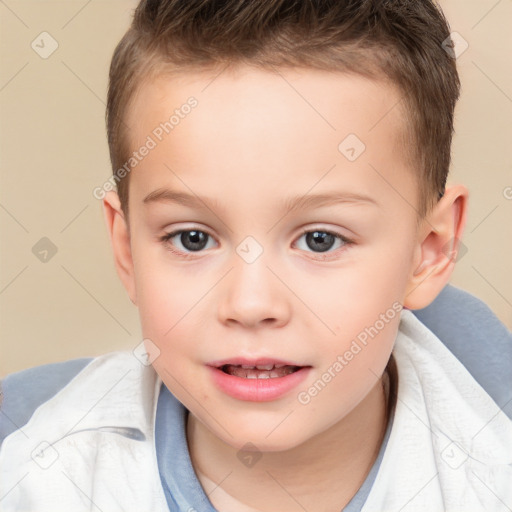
<point>469,328</point>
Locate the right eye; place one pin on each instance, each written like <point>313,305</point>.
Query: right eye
<point>190,240</point>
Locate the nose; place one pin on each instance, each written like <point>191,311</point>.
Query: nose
<point>252,296</point>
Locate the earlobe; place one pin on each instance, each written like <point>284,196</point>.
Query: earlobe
<point>120,240</point>
<point>437,248</point>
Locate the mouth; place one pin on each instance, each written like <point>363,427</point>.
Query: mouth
<point>260,371</point>
<point>257,380</point>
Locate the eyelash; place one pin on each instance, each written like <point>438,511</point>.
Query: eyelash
<point>319,255</point>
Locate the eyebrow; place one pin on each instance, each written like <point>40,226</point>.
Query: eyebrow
<point>308,201</point>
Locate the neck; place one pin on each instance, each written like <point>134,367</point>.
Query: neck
<point>323,473</point>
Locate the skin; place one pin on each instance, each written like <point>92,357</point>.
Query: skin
<point>256,139</point>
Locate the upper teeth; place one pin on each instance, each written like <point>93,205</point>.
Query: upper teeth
<point>261,366</point>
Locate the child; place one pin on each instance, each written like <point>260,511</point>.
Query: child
<point>275,374</point>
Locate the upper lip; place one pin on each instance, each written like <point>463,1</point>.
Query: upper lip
<point>261,361</point>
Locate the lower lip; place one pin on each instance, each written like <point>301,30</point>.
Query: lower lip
<point>257,390</point>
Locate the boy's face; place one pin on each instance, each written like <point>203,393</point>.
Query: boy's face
<point>244,284</point>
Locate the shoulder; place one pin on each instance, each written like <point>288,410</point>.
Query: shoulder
<point>465,311</point>
<point>469,328</point>
<point>23,392</point>
<point>436,391</point>
<point>477,338</point>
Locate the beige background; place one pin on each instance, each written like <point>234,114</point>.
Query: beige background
<point>54,153</point>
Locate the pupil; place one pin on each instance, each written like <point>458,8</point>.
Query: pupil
<point>193,240</point>
<point>323,241</point>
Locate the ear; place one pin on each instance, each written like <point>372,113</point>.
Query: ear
<point>438,245</point>
<point>120,239</point>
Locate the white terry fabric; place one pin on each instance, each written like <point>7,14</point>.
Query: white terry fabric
<point>450,448</point>
<point>94,470</point>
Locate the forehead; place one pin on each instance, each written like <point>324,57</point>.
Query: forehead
<point>328,100</point>
<point>259,129</point>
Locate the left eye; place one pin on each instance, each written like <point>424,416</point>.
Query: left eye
<point>322,241</point>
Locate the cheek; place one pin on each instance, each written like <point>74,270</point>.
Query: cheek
<point>350,367</point>
<point>172,303</point>
<point>352,298</point>
<point>166,293</point>
<point>359,307</point>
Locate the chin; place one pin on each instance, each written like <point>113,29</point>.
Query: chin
<point>258,439</point>
<point>263,445</point>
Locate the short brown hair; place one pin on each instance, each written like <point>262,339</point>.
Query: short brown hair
<point>402,41</point>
